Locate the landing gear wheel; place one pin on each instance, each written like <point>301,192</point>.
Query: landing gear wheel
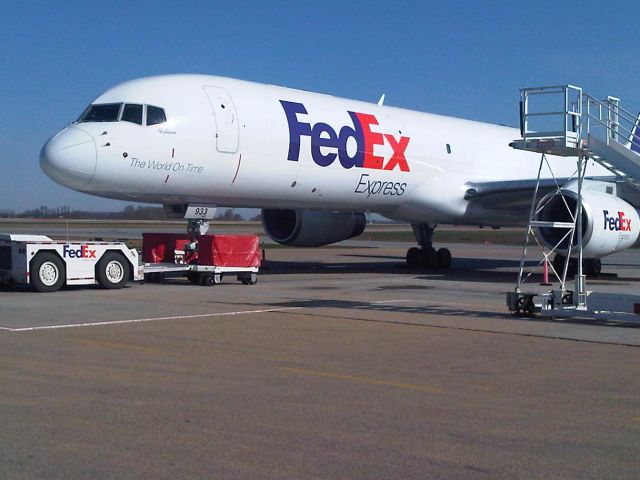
<point>413,257</point>
<point>443,258</point>
<point>112,271</point>
<point>47,272</point>
<point>573,266</point>
<point>429,258</point>
<point>204,279</point>
<point>592,267</point>
<point>558,264</point>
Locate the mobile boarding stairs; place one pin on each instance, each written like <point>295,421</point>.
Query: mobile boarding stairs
<point>567,122</point>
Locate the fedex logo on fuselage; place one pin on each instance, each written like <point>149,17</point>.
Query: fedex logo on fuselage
<point>327,144</point>
<point>83,252</point>
<point>618,223</point>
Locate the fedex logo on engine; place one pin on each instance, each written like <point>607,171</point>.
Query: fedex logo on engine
<point>83,252</point>
<point>619,223</point>
<point>327,144</point>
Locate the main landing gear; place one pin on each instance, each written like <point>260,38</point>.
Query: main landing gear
<point>426,256</point>
<point>591,267</point>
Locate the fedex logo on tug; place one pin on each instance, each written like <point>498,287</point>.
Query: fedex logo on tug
<point>83,252</point>
<point>618,223</point>
<point>327,144</point>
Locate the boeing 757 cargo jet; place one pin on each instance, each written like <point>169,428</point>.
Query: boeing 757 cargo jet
<point>315,164</point>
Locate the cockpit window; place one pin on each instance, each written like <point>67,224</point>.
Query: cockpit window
<point>106,112</point>
<point>132,113</point>
<point>155,115</point>
<point>129,112</point>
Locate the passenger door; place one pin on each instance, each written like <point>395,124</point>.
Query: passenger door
<point>226,119</point>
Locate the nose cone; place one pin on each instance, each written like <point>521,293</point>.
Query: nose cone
<point>69,158</point>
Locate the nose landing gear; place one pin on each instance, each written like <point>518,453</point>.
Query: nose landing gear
<point>197,226</point>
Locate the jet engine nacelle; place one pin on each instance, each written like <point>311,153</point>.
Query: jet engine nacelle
<point>311,228</point>
<point>609,224</point>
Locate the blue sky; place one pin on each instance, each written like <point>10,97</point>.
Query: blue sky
<point>460,58</point>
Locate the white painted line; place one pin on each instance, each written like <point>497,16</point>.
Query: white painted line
<point>142,320</point>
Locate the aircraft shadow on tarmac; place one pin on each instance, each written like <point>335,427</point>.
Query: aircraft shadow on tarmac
<point>433,309</point>
<point>354,305</point>
<point>462,268</point>
<point>465,269</point>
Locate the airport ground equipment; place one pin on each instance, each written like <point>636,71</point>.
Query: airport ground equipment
<point>48,265</point>
<point>567,122</point>
<point>203,259</point>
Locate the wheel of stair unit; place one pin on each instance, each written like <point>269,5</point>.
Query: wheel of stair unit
<point>525,306</point>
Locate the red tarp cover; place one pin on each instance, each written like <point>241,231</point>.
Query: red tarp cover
<point>229,250</point>
<point>160,247</point>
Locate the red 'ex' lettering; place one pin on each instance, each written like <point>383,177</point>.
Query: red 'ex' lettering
<point>398,157</point>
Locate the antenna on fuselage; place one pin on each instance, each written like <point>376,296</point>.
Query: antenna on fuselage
<point>381,101</point>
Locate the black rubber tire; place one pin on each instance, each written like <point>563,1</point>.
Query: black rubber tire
<point>252,280</point>
<point>443,258</point>
<point>525,306</point>
<point>48,272</point>
<point>193,277</point>
<point>413,257</point>
<point>558,264</point>
<point>429,258</point>
<point>112,271</point>
<point>592,267</point>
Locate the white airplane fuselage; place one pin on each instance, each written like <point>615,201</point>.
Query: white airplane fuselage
<point>229,142</point>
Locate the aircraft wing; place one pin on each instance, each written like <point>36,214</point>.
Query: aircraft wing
<point>516,195</point>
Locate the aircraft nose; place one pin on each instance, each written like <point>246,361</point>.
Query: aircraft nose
<point>69,157</point>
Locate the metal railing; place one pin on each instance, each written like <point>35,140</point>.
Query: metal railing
<point>549,123</point>
<point>581,115</point>
<point>607,120</point>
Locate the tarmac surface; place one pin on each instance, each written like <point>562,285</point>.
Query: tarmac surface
<point>340,363</point>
